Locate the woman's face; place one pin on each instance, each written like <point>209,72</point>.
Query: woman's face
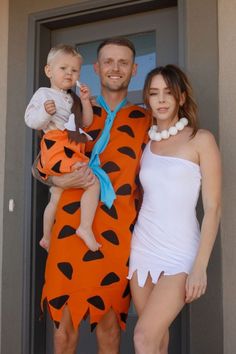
<point>162,102</point>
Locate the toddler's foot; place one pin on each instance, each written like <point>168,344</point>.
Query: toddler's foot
<point>88,237</point>
<point>44,242</point>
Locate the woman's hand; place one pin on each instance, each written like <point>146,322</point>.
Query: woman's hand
<point>196,284</point>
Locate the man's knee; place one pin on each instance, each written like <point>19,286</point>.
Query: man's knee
<point>65,339</point>
<point>108,331</point>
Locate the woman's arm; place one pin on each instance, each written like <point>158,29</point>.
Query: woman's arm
<point>210,166</point>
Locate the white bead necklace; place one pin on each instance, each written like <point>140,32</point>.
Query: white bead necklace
<point>165,134</point>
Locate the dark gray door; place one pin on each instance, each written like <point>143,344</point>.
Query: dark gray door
<point>155,35</point>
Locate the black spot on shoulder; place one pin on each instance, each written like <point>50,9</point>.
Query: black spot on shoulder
<point>126,129</point>
<point>71,208</point>
<point>111,236</point>
<point>126,150</point>
<point>97,302</point>
<point>110,166</point>
<point>66,231</point>
<point>66,269</point>
<point>124,190</point>
<point>97,111</point>
<point>59,301</point>
<point>111,212</point>
<point>68,152</point>
<point>56,167</point>
<point>110,279</point>
<point>49,143</point>
<point>92,256</point>
<point>137,114</point>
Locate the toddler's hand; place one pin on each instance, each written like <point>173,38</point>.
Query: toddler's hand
<point>50,107</point>
<point>84,92</point>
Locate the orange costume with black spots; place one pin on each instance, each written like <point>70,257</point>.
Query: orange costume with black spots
<point>58,154</point>
<point>93,282</point>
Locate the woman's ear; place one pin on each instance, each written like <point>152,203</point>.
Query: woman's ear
<point>182,99</point>
<point>47,71</point>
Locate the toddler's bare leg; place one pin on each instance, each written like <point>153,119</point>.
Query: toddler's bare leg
<point>89,202</point>
<point>49,216</point>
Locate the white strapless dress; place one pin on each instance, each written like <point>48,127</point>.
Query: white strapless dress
<point>166,234</point>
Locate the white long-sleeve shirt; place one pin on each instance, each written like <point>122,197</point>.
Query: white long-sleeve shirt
<point>36,116</point>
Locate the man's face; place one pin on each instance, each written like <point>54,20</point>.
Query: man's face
<point>115,67</point>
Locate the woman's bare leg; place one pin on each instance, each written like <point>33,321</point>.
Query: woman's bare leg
<point>89,202</point>
<point>163,304</point>
<point>49,216</point>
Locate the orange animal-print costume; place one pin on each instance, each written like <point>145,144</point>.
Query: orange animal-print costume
<point>58,154</point>
<point>93,282</point>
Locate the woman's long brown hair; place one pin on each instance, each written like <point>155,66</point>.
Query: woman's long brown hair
<point>178,84</point>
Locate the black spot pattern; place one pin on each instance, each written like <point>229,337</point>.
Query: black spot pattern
<point>110,166</point>
<point>97,302</point>
<point>93,326</point>
<point>71,208</point>
<point>97,110</point>
<point>111,212</point>
<point>111,236</point>
<point>124,190</point>
<point>127,263</point>
<point>66,231</point>
<point>68,152</point>
<point>126,150</point>
<point>123,317</point>
<point>126,129</point>
<point>57,324</point>
<point>137,114</point>
<point>143,146</point>
<point>131,228</point>
<point>110,279</point>
<point>92,256</point>
<point>66,269</point>
<point>94,133</point>
<point>137,204</point>
<point>59,301</point>
<point>42,174</point>
<point>127,291</point>
<point>56,167</point>
<point>49,143</point>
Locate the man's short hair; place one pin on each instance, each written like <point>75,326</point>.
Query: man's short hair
<point>122,41</point>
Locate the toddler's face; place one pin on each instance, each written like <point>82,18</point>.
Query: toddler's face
<point>63,71</point>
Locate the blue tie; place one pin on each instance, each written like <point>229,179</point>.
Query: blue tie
<point>107,194</point>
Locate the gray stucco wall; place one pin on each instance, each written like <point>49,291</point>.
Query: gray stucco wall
<point>3,110</point>
<point>227,94</point>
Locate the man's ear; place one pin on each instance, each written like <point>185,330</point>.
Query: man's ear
<point>96,68</point>
<point>134,70</point>
<point>47,71</point>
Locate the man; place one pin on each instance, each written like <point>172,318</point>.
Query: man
<point>79,282</point>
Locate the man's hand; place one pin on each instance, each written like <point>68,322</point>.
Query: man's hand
<point>82,177</point>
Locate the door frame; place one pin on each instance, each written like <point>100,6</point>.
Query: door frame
<point>39,43</point>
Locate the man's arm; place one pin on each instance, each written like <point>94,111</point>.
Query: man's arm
<point>82,177</point>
